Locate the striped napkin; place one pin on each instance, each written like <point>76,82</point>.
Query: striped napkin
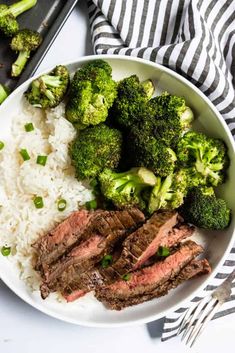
<point>195,38</point>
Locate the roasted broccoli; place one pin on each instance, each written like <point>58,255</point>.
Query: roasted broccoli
<point>4,93</point>
<point>94,149</point>
<point>207,155</point>
<point>24,42</point>
<point>125,189</point>
<point>130,104</point>
<point>167,117</point>
<point>144,150</point>
<point>48,90</point>
<point>8,23</point>
<point>168,193</point>
<point>203,209</point>
<point>92,93</point>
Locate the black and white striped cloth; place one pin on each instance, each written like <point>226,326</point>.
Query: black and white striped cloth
<point>195,38</point>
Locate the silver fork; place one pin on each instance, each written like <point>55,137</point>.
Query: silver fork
<point>199,315</point>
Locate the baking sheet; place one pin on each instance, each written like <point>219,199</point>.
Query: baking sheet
<point>47,17</point>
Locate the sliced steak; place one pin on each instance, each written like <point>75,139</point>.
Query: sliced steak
<point>52,245</point>
<point>74,295</point>
<point>142,244</point>
<point>193,269</point>
<point>102,233</point>
<point>97,276</point>
<point>149,278</point>
<point>83,223</point>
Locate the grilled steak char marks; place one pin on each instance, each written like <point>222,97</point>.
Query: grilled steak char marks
<point>193,269</point>
<point>143,243</point>
<point>68,257</point>
<point>100,234</point>
<point>97,276</point>
<point>52,245</point>
<point>146,280</point>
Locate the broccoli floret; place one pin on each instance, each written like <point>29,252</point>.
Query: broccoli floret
<point>8,23</point>
<point>94,149</point>
<point>130,104</point>
<point>92,93</point>
<point>4,93</point>
<point>207,155</point>
<point>48,91</point>
<point>125,189</point>
<point>24,42</point>
<point>145,150</point>
<point>168,193</point>
<point>169,117</point>
<point>203,209</point>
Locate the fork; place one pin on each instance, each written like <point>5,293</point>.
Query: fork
<point>199,315</point>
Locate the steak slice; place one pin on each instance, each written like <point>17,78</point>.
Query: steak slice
<point>102,233</point>
<point>193,269</point>
<point>52,245</point>
<point>149,278</point>
<point>81,223</point>
<point>95,277</point>
<point>139,246</point>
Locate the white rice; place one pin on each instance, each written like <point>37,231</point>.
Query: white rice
<point>21,223</point>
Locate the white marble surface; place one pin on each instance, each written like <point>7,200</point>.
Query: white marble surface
<point>25,330</point>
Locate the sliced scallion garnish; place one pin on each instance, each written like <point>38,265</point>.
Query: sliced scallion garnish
<point>42,160</point>
<point>29,127</point>
<point>1,145</point>
<point>163,251</point>
<point>106,261</point>
<point>6,250</point>
<point>24,154</point>
<point>91,205</point>
<point>126,277</point>
<point>61,205</point>
<point>38,202</point>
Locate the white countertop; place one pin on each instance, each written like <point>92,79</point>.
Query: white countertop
<point>23,329</point>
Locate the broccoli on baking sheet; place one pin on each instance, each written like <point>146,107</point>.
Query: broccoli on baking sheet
<point>24,42</point>
<point>125,189</point>
<point>4,93</point>
<point>207,155</point>
<point>91,95</point>
<point>94,149</point>
<point>203,209</point>
<point>8,14</point>
<point>48,90</point>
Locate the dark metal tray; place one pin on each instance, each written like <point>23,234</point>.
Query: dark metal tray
<point>47,17</point>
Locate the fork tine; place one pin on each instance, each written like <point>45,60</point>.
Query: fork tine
<point>204,313</point>
<point>185,318</point>
<point>195,315</point>
<point>205,323</point>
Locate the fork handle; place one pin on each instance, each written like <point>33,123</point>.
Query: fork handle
<point>231,277</point>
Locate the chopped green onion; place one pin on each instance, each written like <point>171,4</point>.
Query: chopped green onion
<point>91,205</point>
<point>61,205</point>
<point>38,202</point>
<point>24,154</point>
<point>106,261</point>
<point>1,145</point>
<point>42,160</point>
<point>163,251</point>
<point>126,277</point>
<point>93,183</point>
<point>29,127</point>
<point>6,250</point>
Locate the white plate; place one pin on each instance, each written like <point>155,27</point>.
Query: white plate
<point>87,311</point>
